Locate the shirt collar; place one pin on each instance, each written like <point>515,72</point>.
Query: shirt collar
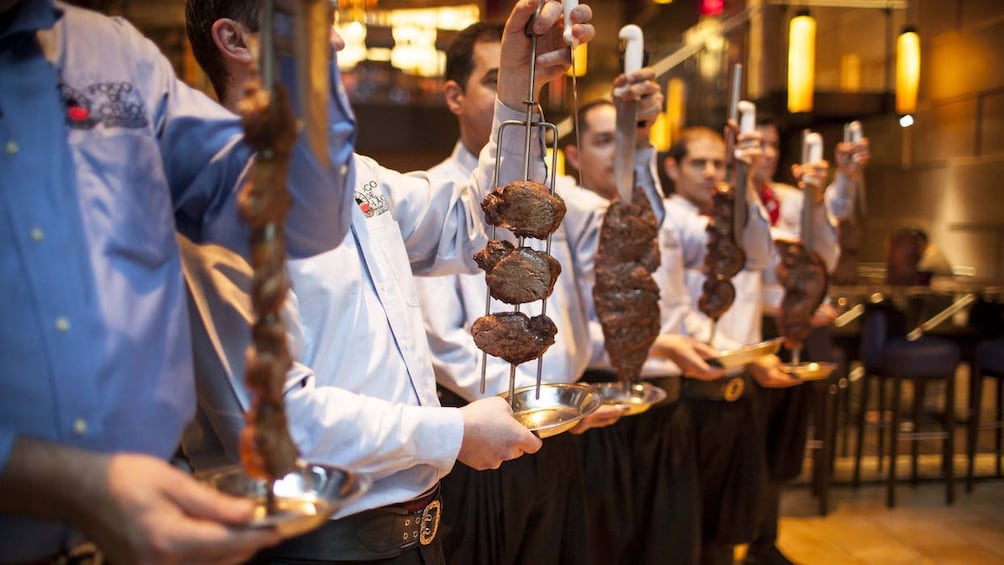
<point>684,203</point>
<point>31,16</point>
<point>467,160</point>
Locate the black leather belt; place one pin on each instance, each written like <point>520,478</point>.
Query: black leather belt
<point>380,533</point>
<point>728,389</point>
<point>83,554</point>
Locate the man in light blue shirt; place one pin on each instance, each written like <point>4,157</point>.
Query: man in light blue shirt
<point>100,142</point>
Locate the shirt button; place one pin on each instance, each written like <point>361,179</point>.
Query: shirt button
<point>80,426</point>
<point>62,324</point>
<point>12,147</point>
<point>343,170</point>
<point>37,234</point>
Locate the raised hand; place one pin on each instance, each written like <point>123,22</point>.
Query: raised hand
<point>553,55</point>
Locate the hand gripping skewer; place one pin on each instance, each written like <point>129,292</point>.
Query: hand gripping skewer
<point>528,124</point>
<point>271,130</point>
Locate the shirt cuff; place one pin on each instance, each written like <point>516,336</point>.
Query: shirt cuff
<point>439,434</point>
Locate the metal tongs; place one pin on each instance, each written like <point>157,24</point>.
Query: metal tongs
<point>528,124</point>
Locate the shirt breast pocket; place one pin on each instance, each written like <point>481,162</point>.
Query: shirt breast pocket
<point>385,235</point>
<point>122,186</point>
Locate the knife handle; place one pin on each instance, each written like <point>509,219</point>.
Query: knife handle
<point>813,148</point>
<point>747,116</point>
<point>566,7</point>
<point>634,50</point>
<point>852,132</point>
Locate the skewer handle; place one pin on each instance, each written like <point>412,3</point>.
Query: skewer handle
<point>634,51</point>
<point>747,116</point>
<point>566,7</point>
<point>852,132</point>
<point>812,148</point>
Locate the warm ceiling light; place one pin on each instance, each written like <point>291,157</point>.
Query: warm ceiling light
<point>663,1</point>
<point>801,61</point>
<point>907,70</point>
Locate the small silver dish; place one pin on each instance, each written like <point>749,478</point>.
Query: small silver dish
<point>304,498</point>
<point>738,357</point>
<point>633,398</point>
<point>810,371</point>
<point>559,407</point>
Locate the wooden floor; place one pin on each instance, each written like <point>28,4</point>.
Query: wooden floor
<point>921,529</point>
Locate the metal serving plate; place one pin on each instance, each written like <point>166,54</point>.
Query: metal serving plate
<point>739,357</point>
<point>633,398</point>
<point>558,409</point>
<point>305,498</point>
<point>810,371</point>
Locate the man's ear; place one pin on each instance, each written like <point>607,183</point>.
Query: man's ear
<point>454,96</point>
<point>572,156</point>
<point>232,39</point>
<point>670,167</point>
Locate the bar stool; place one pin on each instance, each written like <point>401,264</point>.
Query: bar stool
<point>920,361</point>
<point>989,364</point>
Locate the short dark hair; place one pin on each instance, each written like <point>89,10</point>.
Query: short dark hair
<point>580,120</point>
<point>200,15</point>
<point>679,150</point>
<point>764,119</point>
<point>460,53</point>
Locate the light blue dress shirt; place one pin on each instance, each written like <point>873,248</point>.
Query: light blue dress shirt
<point>99,142</point>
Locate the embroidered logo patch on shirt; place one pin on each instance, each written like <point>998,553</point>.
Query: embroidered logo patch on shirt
<point>111,104</point>
<point>370,202</point>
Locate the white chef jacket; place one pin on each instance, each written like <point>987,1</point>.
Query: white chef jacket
<point>683,234</point>
<point>368,402</point>
<point>452,304</point>
<point>789,226</point>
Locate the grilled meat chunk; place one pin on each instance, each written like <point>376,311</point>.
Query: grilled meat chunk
<point>513,336</point>
<point>525,208</point>
<point>517,276</point>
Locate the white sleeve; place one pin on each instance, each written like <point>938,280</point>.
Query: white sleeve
<point>840,197</point>
<point>441,220</point>
<point>328,424</point>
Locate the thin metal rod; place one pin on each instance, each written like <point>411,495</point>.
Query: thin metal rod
<point>268,46</point>
<point>730,138</point>
<point>530,102</point>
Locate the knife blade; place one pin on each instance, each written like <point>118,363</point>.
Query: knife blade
<point>812,151</point>
<point>747,124</point>
<point>627,115</point>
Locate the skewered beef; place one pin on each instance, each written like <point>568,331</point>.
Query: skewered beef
<point>724,258</point>
<point>717,295</point>
<point>850,236</point>
<point>525,208</point>
<point>513,336</point>
<point>517,276</point>
<point>625,295</point>
<point>803,276</point>
<point>632,230</point>
<point>267,450</point>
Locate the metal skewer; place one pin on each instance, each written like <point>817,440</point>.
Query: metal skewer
<point>528,124</point>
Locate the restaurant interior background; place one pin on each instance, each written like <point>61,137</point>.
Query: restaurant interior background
<point>942,173</point>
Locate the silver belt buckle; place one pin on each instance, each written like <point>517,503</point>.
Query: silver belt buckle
<point>430,522</point>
